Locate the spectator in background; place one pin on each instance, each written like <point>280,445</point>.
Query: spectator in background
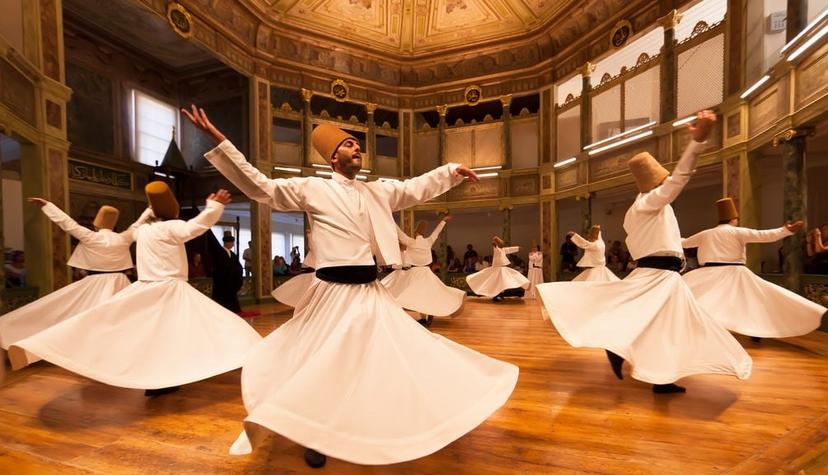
<point>470,253</point>
<point>295,265</point>
<point>294,254</point>
<point>247,257</point>
<point>569,253</point>
<point>227,274</point>
<point>279,266</point>
<point>16,270</point>
<point>470,265</point>
<point>455,265</point>
<point>816,250</point>
<point>450,257</point>
<point>196,268</point>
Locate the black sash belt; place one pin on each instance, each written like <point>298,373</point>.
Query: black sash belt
<point>660,262</point>
<point>348,274</point>
<point>98,272</point>
<point>718,264</point>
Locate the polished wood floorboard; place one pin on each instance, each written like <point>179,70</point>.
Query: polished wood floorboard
<point>568,414</point>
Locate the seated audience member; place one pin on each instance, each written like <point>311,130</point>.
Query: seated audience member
<point>196,267</point>
<point>279,266</point>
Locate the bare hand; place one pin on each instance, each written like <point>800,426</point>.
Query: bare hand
<point>222,196</point>
<point>38,201</point>
<point>703,125</point>
<point>795,226</point>
<point>199,118</point>
<point>448,218</point>
<point>466,172</point>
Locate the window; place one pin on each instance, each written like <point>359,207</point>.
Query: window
<point>153,123</point>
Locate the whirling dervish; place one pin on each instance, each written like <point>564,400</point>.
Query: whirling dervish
<point>535,274</point>
<point>594,261</point>
<point>493,281</point>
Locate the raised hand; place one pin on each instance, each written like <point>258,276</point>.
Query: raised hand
<point>795,226</point>
<point>701,128</point>
<point>448,218</point>
<point>222,196</point>
<point>38,201</point>
<point>199,118</point>
<point>466,172</point>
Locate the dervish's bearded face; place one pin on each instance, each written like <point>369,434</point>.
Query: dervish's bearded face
<point>347,159</point>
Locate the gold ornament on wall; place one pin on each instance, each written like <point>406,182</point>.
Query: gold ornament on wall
<point>180,19</point>
<point>339,89</point>
<point>619,35</point>
<point>473,95</point>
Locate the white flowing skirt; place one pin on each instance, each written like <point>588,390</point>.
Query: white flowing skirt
<point>151,335</point>
<point>290,293</point>
<point>352,376</point>
<point>650,319</point>
<point>58,306</point>
<point>596,274</point>
<point>535,277</point>
<point>418,289</point>
<point>745,303</point>
<point>491,281</point>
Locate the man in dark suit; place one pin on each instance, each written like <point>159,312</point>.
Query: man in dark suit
<point>227,275</point>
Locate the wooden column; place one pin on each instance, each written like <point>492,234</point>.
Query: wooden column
<point>441,134</point>
<point>506,102</point>
<point>795,192</point>
<point>371,137</point>
<point>549,238</point>
<point>307,127</point>
<point>260,214</point>
<point>668,67</point>
<point>586,103</point>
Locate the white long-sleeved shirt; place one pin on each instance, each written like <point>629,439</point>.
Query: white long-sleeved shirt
<point>103,250</point>
<point>499,258</point>
<point>418,249</point>
<point>160,245</point>
<point>351,219</point>
<point>726,243</point>
<point>535,260</point>
<point>594,251</point>
<point>650,223</point>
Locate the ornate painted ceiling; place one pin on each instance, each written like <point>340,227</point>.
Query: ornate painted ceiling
<point>415,27</point>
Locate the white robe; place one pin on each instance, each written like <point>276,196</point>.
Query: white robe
<point>594,260</point>
<point>291,292</point>
<point>100,251</point>
<point>739,299</point>
<point>650,318</point>
<point>159,331</point>
<point>535,273</point>
<point>417,288</point>
<point>351,375</point>
<point>491,281</point>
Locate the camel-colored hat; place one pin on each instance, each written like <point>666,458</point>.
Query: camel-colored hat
<point>594,231</point>
<point>421,228</point>
<point>327,138</point>
<point>106,218</point>
<point>498,241</point>
<point>161,200</point>
<point>646,170</point>
<point>727,209</point>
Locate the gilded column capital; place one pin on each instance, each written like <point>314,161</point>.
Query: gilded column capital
<point>442,110</point>
<point>506,100</point>
<point>790,134</point>
<point>671,20</point>
<point>370,107</point>
<point>587,69</point>
<point>306,94</point>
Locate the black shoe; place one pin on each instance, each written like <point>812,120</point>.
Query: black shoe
<point>668,388</point>
<point>616,362</point>
<point>429,320</point>
<point>755,339</point>
<point>314,459</point>
<point>423,322</point>
<point>497,299</point>
<point>159,392</point>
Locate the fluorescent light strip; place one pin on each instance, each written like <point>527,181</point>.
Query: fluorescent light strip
<point>626,132</point>
<point>316,165</point>
<point>164,175</point>
<point>382,178</point>
<point>621,142</point>
<point>564,163</point>
<point>487,175</point>
<point>361,177</point>
<point>808,43</point>
<point>755,86</point>
<point>804,31</point>
<point>683,121</point>
<point>288,169</point>
<point>365,171</point>
<point>495,167</point>
<point>323,173</point>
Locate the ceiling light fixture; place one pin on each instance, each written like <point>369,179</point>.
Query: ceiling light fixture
<point>621,142</point>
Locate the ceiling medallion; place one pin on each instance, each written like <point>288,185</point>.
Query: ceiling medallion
<point>180,19</point>
<point>621,33</point>
<point>339,89</point>
<point>473,94</point>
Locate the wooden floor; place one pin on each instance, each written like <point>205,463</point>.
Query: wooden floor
<point>567,415</point>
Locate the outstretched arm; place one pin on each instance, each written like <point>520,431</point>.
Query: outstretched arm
<point>748,235</point>
<point>437,230</point>
<point>405,239</point>
<point>186,230</point>
<point>511,250</point>
<point>63,220</point>
<point>580,241</point>
<point>130,231</point>
<point>281,194</point>
<point>429,185</point>
<point>692,241</point>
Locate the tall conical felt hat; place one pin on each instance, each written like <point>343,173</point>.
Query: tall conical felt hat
<point>727,209</point>
<point>161,200</point>
<point>594,231</point>
<point>498,241</point>
<point>106,218</point>
<point>421,228</point>
<point>646,170</point>
<point>327,138</point>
